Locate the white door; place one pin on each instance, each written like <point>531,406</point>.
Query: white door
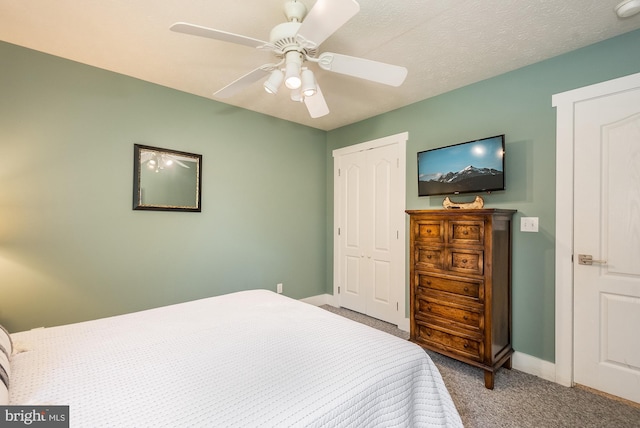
<point>351,231</point>
<point>369,205</point>
<point>607,229</point>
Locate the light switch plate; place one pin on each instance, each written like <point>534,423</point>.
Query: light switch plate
<point>529,224</point>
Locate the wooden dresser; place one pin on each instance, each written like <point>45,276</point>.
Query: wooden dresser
<point>460,273</point>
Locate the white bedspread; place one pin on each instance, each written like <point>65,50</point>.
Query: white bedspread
<point>253,358</point>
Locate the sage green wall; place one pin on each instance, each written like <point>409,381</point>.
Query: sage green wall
<point>517,104</point>
<point>72,248</point>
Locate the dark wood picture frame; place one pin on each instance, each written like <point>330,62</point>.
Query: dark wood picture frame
<point>166,180</point>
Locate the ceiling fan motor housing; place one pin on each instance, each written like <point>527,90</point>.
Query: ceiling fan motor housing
<point>285,36</point>
<point>285,39</point>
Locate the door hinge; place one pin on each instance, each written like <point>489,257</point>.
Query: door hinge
<point>397,306</point>
<point>338,231</point>
<point>397,234</point>
<point>338,172</point>
<point>338,289</point>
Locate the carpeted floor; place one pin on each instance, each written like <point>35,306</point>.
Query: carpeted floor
<point>519,400</point>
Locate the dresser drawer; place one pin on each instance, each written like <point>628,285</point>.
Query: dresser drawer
<point>466,287</point>
<point>465,261</point>
<point>429,257</point>
<point>449,314</point>
<point>464,346</point>
<point>466,232</point>
<point>429,231</point>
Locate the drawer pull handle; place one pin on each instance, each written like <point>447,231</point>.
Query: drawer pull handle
<point>466,345</point>
<point>465,318</point>
<point>464,261</point>
<point>429,308</point>
<point>429,256</point>
<point>466,232</point>
<point>428,230</point>
<point>466,289</point>
<point>429,333</point>
<point>428,282</point>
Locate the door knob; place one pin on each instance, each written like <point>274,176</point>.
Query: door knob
<point>587,259</point>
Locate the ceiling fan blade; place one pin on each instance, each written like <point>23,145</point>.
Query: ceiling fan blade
<point>182,164</point>
<point>375,71</point>
<point>243,82</point>
<point>325,17</point>
<point>197,30</point>
<point>316,104</point>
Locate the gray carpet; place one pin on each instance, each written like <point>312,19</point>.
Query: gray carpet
<point>519,399</point>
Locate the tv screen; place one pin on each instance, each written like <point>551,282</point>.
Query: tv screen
<point>474,166</point>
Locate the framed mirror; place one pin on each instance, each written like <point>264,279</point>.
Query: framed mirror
<point>166,180</point>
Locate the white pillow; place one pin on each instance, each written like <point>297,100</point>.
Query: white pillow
<point>6,347</point>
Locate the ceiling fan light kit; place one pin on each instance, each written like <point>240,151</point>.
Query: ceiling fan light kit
<point>296,95</point>
<point>296,42</point>
<point>292,70</point>
<point>627,8</point>
<point>308,83</point>
<point>272,84</point>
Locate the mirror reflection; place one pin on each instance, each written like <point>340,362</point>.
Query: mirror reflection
<point>166,179</point>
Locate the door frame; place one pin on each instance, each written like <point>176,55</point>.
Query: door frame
<point>565,148</point>
<point>401,141</point>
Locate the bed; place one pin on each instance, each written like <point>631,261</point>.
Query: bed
<point>251,358</point>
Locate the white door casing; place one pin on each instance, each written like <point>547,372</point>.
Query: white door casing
<point>598,306</point>
<point>369,223</point>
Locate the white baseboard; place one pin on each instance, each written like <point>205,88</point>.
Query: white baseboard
<point>322,299</point>
<point>534,366</point>
<point>404,325</point>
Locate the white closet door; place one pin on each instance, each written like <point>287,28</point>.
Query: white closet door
<point>381,232</point>
<point>352,232</point>
<point>369,215</point>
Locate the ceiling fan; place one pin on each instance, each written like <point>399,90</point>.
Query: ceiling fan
<point>158,161</point>
<point>295,44</point>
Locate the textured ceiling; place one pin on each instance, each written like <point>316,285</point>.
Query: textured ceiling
<point>444,44</point>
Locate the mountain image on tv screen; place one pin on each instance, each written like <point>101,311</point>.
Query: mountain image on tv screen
<point>474,166</point>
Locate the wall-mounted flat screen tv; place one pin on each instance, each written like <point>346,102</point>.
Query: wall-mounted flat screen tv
<point>470,167</point>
